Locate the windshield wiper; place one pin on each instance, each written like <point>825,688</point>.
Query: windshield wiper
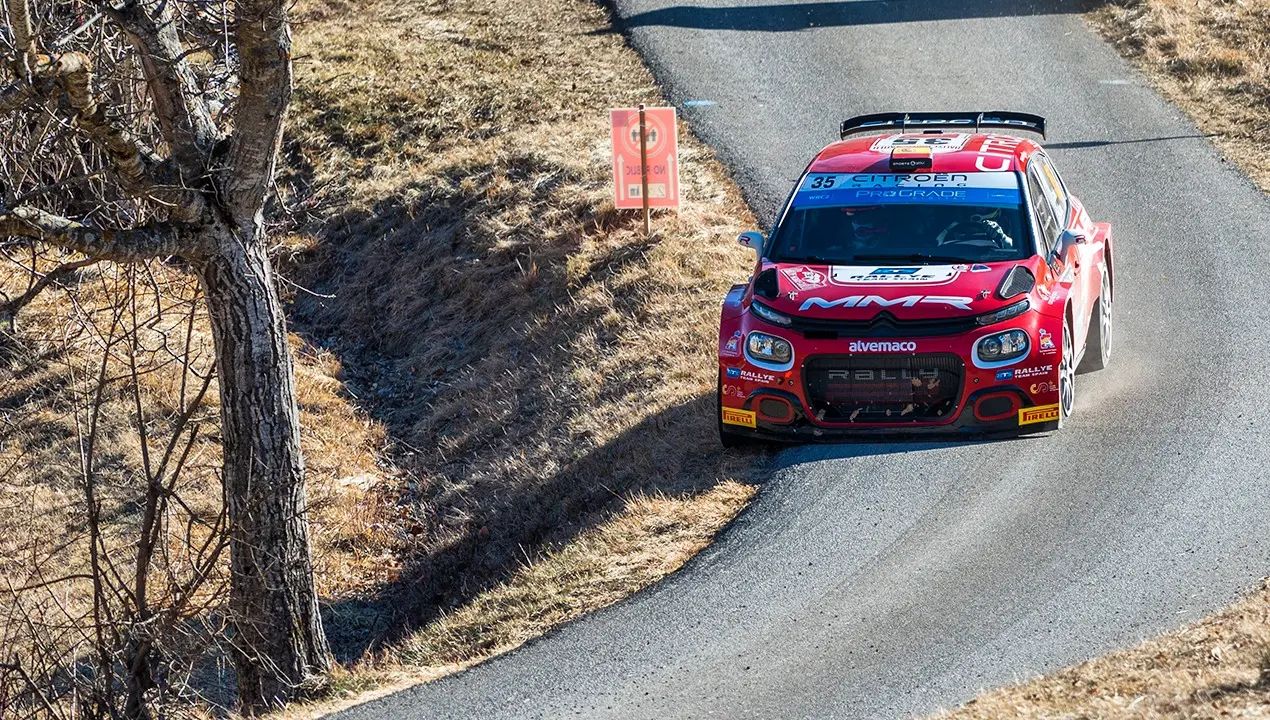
<point>913,258</point>
<point>809,260</point>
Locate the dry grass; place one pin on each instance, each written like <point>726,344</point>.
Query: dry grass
<point>535,361</point>
<point>1212,58</point>
<point>506,390</point>
<point>47,370</point>
<point>1216,668</point>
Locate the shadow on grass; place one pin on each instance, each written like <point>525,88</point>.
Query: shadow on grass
<point>483,318</point>
<point>531,520</point>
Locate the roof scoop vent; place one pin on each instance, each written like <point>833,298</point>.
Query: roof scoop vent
<point>911,157</point>
<point>1017,281</point>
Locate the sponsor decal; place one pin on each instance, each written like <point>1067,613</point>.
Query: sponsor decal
<point>1047,342</point>
<point>979,268</point>
<point>756,377</point>
<point>880,346</point>
<point>804,278</point>
<point>996,152</point>
<point>828,181</point>
<point>869,374</point>
<point>1043,387</point>
<point>846,189</point>
<point>733,346</point>
<point>751,376</point>
<point>910,195</point>
<point>863,301</point>
<point>1033,415</point>
<point>744,418</point>
<point>1036,371</point>
<point>937,143</point>
<point>733,391</point>
<point>923,275</point>
<point>1005,374</point>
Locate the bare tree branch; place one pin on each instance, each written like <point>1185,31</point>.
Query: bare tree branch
<point>263,39</point>
<point>12,96</point>
<point>135,165</point>
<point>74,73</point>
<point>143,243</point>
<point>10,308</point>
<point>178,102</point>
<point>23,35</point>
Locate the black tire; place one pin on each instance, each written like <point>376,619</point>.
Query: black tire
<point>726,439</point>
<point>1066,376</point>
<point>1098,339</point>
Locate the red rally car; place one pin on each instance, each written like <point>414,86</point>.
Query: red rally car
<point>934,274</point>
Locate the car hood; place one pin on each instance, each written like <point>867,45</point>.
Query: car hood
<point>908,292</point>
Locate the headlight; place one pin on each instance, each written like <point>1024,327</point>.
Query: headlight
<point>1000,346</point>
<point>1004,313</point>
<point>769,348</point>
<point>769,314</point>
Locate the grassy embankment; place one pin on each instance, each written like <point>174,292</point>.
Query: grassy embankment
<point>507,391</point>
<point>1212,58</point>
<point>542,371</point>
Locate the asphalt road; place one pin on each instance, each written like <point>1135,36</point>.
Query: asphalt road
<point>887,580</point>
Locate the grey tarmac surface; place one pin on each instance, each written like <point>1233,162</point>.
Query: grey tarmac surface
<point>885,580</point>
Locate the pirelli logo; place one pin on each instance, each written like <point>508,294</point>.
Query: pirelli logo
<point>744,418</point>
<point>1038,414</point>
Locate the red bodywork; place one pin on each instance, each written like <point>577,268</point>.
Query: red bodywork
<point>864,348</point>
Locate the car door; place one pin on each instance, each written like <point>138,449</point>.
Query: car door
<point>1084,255</point>
<point>1074,258</point>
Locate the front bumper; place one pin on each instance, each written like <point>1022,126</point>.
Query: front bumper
<point>795,402</point>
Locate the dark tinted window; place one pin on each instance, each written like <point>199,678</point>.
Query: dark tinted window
<point>1043,209</point>
<point>853,218</point>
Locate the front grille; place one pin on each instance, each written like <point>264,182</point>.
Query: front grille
<point>883,388</point>
<point>882,325</point>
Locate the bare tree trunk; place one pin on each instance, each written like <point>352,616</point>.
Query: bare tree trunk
<point>280,647</point>
<point>205,203</point>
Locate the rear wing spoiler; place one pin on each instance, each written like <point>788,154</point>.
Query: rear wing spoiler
<point>918,121</point>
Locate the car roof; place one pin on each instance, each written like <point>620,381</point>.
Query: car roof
<point>950,152</point>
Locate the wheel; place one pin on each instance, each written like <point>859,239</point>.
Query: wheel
<point>1098,340</point>
<point>1066,377</point>
<point>726,439</point>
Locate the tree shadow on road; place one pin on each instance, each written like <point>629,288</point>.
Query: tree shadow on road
<point>793,17</point>
<point>1086,144</point>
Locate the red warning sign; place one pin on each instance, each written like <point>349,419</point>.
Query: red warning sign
<point>662,146</point>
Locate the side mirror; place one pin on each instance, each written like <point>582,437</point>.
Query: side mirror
<point>1071,237</point>
<point>751,239</point>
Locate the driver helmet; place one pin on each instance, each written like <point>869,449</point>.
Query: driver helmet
<point>868,224</point>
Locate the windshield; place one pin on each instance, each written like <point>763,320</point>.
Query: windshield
<point>915,219</point>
